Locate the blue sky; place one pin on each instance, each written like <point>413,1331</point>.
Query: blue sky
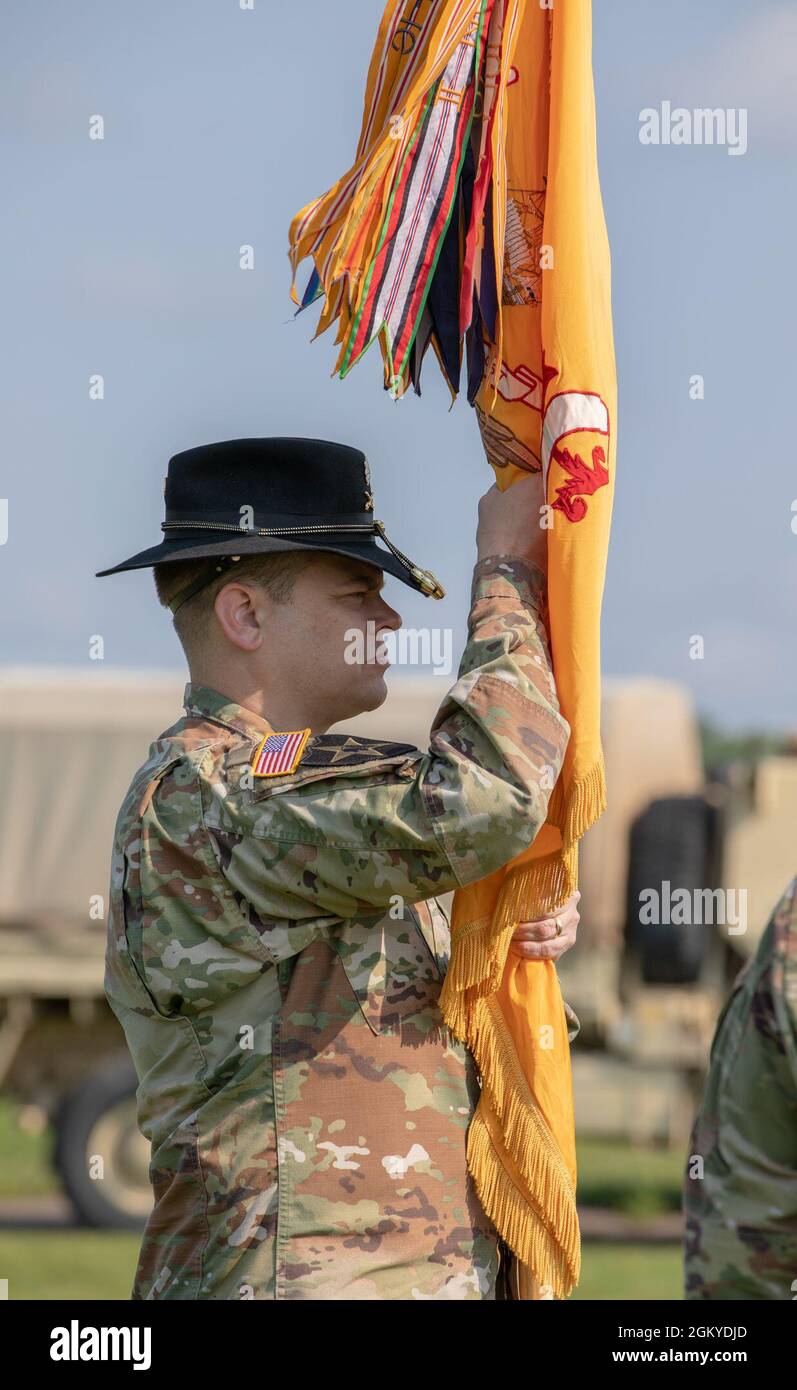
<point>121,258</point>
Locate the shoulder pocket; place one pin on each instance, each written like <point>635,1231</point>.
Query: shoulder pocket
<point>731,1020</point>
<point>395,763</point>
<point>125,977</point>
<point>390,968</point>
<point>129,940</point>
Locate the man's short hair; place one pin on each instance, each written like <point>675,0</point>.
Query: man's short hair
<point>275,572</point>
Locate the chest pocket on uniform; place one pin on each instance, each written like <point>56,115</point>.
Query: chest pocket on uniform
<point>391,969</point>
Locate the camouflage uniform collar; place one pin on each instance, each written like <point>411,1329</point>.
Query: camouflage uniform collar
<point>205,703</point>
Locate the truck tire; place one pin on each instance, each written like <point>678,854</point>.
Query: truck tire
<point>99,1153</point>
<point>673,842</point>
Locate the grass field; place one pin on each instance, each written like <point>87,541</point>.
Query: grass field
<point>82,1264</point>
<point>89,1264</point>
<point>25,1169</point>
<point>638,1182</point>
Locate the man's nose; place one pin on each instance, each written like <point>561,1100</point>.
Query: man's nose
<point>391,618</point>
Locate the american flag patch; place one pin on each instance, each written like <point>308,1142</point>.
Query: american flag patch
<point>279,753</point>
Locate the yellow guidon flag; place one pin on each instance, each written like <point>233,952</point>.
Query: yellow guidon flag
<point>472,218</point>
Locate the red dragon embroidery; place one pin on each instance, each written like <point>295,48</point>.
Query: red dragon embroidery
<point>582,480</point>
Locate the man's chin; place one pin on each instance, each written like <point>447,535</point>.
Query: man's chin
<point>362,696</point>
<point>374,690</point>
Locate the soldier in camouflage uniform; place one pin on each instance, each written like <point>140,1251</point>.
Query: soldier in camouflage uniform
<point>741,1176</point>
<point>275,947</point>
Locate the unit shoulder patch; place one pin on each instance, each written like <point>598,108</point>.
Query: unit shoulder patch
<point>351,750</point>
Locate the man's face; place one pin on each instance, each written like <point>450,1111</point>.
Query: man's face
<point>325,640</point>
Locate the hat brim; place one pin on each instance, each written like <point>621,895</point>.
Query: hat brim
<point>188,548</point>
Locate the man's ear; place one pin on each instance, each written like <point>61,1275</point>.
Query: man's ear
<point>238,609</point>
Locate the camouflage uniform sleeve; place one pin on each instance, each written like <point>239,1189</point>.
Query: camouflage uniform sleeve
<point>444,818</point>
<point>740,1198</point>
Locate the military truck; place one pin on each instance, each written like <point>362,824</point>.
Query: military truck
<point>647,995</point>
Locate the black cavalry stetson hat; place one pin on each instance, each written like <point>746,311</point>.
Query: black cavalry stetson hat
<point>244,497</point>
